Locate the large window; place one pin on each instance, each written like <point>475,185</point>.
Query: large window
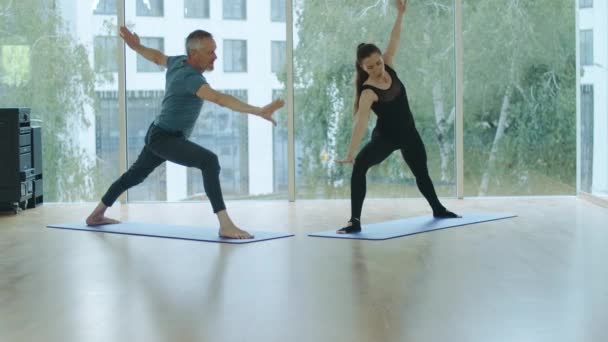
<point>235,9</point>
<point>57,68</point>
<point>243,143</point>
<point>150,8</point>
<point>196,9</point>
<point>586,41</point>
<point>519,94</point>
<point>519,98</point>
<point>235,55</point>
<point>324,70</point>
<point>144,65</point>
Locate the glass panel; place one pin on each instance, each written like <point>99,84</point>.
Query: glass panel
<point>519,98</point>
<point>243,143</point>
<point>60,60</point>
<point>324,60</point>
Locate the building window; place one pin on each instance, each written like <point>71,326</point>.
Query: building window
<point>235,55</point>
<point>279,147</point>
<point>586,47</point>
<point>196,9</point>
<point>150,8</point>
<point>585,3</point>
<point>142,105</point>
<point>587,114</point>
<point>104,7</point>
<point>105,53</point>
<point>235,9</point>
<point>277,56</point>
<point>225,132</point>
<point>277,10</point>
<point>144,65</point>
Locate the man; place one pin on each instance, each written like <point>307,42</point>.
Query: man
<point>167,139</point>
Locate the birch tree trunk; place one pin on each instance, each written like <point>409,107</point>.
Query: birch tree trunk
<point>500,130</point>
<point>443,124</point>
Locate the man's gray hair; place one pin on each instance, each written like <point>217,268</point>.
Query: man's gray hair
<point>194,40</point>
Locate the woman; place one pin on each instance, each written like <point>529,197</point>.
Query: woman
<point>379,89</point>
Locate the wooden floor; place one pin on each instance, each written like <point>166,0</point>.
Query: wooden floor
<point>542,276</point>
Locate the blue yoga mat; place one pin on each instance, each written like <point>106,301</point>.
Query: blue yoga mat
<point>414,225</point>
<point>170,231</point>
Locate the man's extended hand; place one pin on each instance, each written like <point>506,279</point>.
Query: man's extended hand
<point>267,111</point>
<point>130,38</point>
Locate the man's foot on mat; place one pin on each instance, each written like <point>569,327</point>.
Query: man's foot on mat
<point>445,214</point>
<point>354,226</point>
<point>234,232</point>
<point>100,220</point>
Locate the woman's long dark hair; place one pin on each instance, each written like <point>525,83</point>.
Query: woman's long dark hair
<point>363,51</point>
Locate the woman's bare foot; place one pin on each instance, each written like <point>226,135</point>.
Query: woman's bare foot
<point>98,217</point>
<point>228,229</point>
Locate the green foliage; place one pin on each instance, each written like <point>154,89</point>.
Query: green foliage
<point>527,44</point>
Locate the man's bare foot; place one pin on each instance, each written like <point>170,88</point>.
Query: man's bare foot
<point>233,232</point>
<point>99,220</point>
<point>228,229</point>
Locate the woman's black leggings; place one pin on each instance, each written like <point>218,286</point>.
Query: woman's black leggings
<point>162,146</point>
<point>375,152</point>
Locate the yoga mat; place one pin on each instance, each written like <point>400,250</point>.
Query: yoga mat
<point>414,225</point>
<point>169,231</point>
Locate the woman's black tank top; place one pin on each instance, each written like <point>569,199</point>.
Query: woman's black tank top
<point>395,118</point>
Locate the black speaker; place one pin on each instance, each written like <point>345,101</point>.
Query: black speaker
<point>37,197</point>
<point>17,176</point>
<point>37,150</point>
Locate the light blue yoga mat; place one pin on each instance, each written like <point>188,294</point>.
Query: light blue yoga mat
<point>170,231</point>
<point>413,225</point>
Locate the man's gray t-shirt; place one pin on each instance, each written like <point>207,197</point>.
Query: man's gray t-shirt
<point>180,107</point>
